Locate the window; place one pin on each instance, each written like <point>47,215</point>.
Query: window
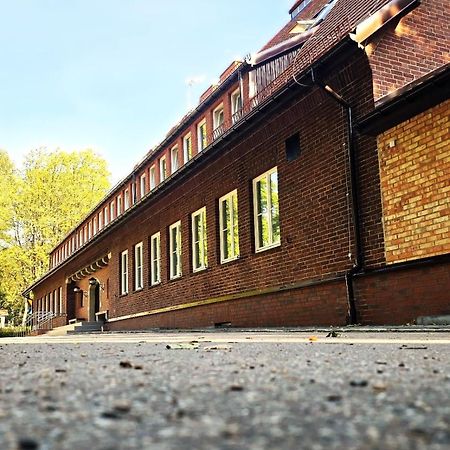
<point>61,304</point>
<point>201,135</point>
<point>162,169</point>
<point>124,272</point>
<point>133,192</point>
<point>100,220</point>
<point>174,159</point>
<point>89,231</point>
<point>126,199</point>
<point>266,210</point>
<point>105,214</point>
<point>138,267</point>
<point>56,302</point>
<point>218,117</point>
<point>187,147</point>
<point>155,258</point>
<point>175,250</point>
<point>95,225</point>
<point>143,185</point>
<point>199,246</point>
<point>111,210</point>
<point>119,205</point>
<point>152,177</point>
<point>229,232</point>
<point>236,105</point>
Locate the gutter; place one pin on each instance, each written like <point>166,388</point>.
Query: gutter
<point>358,261</point>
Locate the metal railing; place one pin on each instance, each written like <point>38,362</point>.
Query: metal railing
<point>41,321</point>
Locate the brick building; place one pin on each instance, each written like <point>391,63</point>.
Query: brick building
<point>310,186</point>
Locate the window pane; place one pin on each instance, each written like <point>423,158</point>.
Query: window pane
<point>235,225</point>
<point>275,212</point>
<point>262,212</point>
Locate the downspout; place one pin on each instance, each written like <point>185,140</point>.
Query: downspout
<point>358,260</point>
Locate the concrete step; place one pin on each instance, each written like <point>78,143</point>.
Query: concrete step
<point>74,328</point>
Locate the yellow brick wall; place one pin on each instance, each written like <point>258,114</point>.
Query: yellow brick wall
<point>414,161</point>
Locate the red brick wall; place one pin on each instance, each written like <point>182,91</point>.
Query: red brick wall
<point>313,207</point>
<point>400,296</point>
<point>408,50</point>
<point>320,305</point>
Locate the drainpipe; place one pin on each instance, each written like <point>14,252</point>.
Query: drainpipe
<point>358,261</point>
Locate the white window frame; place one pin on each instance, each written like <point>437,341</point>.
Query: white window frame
<point>232,228</point>
<point>143,187</point>
<point>60,298</point>
<point>235,108</point>
<point>174,161</point>
<point>155,259</point>
<point>152,174</point>
<point>126,199</point>
<point>133,192</point>
<point>139,266</point>
<point>175,272</point>
<point>199,243</point>
<point>124,272</point>
<point>105,215</point>
<point>89,230</point>
<point>187,147</point>
<point>217,114</point>
<point>202,140</point>
<point>162,168</point>
<point>112,210</point>
<point>119,205</point>
<point>268,215</point>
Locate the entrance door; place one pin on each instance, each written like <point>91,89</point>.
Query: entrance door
<point>94,299</point>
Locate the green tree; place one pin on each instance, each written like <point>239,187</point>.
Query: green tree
<point>7,189</point>
<point>49,196</point>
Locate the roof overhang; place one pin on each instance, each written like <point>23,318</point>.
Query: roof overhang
<point>407,102</point>
<point>395,9</point>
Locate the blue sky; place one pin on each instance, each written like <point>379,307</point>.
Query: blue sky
<point>111,75</point>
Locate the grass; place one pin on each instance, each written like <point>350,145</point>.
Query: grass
<point>13,331</point>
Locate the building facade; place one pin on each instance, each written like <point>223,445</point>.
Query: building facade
<point>311,186</point>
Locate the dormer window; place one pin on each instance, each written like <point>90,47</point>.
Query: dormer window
<point>299,7</point>
<point>152,178</point>
<point>162,169</point>
<point>201,135</point>
<point>126,197</point>
<point>187,147</point>
<point>174,158</point>
<point>236,105</point>
<point>143,190</point>
<point>218,117</point>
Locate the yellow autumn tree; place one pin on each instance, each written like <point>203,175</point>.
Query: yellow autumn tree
<point>44,200</point>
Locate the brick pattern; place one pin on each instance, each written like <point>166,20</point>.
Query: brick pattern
<point>415,180</point>
<point>399,297</point>
<point>411,48</point>
<point>319,305</point>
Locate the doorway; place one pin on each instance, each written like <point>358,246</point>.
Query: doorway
<point>94,299</point>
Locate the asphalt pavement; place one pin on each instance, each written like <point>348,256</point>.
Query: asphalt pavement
<point>226,390</point>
